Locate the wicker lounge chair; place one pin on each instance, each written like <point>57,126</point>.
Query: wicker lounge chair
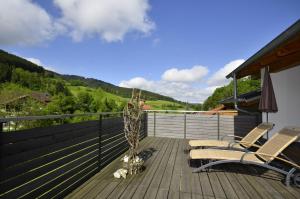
<point>246,142</point>
<point>262,157</point>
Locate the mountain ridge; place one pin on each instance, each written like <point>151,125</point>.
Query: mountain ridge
<point>12,60</point>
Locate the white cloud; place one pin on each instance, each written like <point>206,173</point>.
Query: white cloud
<point>25,22</point>
<point>39,63</point>
<point>219,78</point>
<point>34,60</point>
<point>193,74</point>
<point>185,84</point>
<point>109,19</point>
<point>177,90</point>
<point>137,82</point>
<point>179,84</point>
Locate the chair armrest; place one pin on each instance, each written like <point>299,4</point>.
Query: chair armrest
<point>278,158</point>
<point>235,136</point>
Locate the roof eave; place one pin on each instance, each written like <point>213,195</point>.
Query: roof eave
<point>284,36</point>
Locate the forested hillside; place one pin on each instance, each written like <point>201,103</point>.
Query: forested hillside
<point>76,94</point>
<point>9,61</point>
<point>244,85</point>
<point>24,85</point>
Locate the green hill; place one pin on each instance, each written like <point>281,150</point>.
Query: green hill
<point>20,78</point>
<point>9,61</point>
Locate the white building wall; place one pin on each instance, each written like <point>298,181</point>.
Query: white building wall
<point>287,91</point>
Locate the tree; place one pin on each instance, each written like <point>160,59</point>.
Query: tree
<point>26,79</point>
<point>84,101</point>
<point>62,104</point>
<point>6,72</point>
<point>110,105</point>
<point>244,85</point>
<point>96,106</point>
<point>60,88</point>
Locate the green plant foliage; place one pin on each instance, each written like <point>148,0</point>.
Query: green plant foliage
<point>74,80</point>
<point>5,74</point>
<point>244,85</point>
<point>84,101</point>
<point>69,93</point>
<point>62,104</point>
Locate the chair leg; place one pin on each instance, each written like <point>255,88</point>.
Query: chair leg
<point>297,180</point>
<point>288,177</point>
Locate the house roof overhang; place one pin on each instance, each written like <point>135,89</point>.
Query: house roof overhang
<point>281,53</point>
<point>246,97</point>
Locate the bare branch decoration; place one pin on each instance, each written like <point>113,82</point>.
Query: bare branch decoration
<point>132,115</point>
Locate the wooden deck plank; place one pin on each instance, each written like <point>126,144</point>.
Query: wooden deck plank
<point>205,184</point>
<point>154,177</point>
<point>256,185</point>
<point>168,175</point>
<point>118,191</point>
<point>227,187</point>
<point>186,182</point>
<point>239,189</point>
<point>98,182</point>
<point>196,186</point>
<point>166,179</point>
<point>244,183</point>
<point>197,196</point>
<point>133,187</point>
<point>175,180</point>
<point>157,178</point>
<point>173,194</point>
<point>282,189</point>
<point>270,189</point>
<point>217,187</point>
<point>122,183</point>
<point>274,184</point>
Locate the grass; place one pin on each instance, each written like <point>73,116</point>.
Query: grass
<point>97,94</point>
<point>101,94</point>
<point>165,105</point>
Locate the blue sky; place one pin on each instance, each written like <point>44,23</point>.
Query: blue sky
<point>182,49</point>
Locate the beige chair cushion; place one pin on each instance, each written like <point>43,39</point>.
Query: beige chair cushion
<point>217,154</point>
<point>214,143</point>
<point>278,142</point>
<point>256,133</point>
<point>246,142</point>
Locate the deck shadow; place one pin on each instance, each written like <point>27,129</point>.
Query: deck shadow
<point>239,168</point>
<point>146,153</point>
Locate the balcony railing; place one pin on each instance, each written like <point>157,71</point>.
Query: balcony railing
<point>199,124</point>
<point>52,161</point>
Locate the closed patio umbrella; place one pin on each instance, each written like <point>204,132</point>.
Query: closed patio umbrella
<point>267,101</point>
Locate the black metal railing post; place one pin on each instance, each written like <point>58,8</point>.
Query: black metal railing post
<point>100,140</point>
<point>218,115</point>
<point>1,127</point>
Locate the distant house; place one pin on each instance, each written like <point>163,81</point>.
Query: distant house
<point>145,106</point>
<point>41,97</point>
<point>282,57</point>
<point>16,101</point>
<point>247,101</point>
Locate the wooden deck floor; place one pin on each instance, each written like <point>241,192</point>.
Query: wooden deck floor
<point>168,175</point>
